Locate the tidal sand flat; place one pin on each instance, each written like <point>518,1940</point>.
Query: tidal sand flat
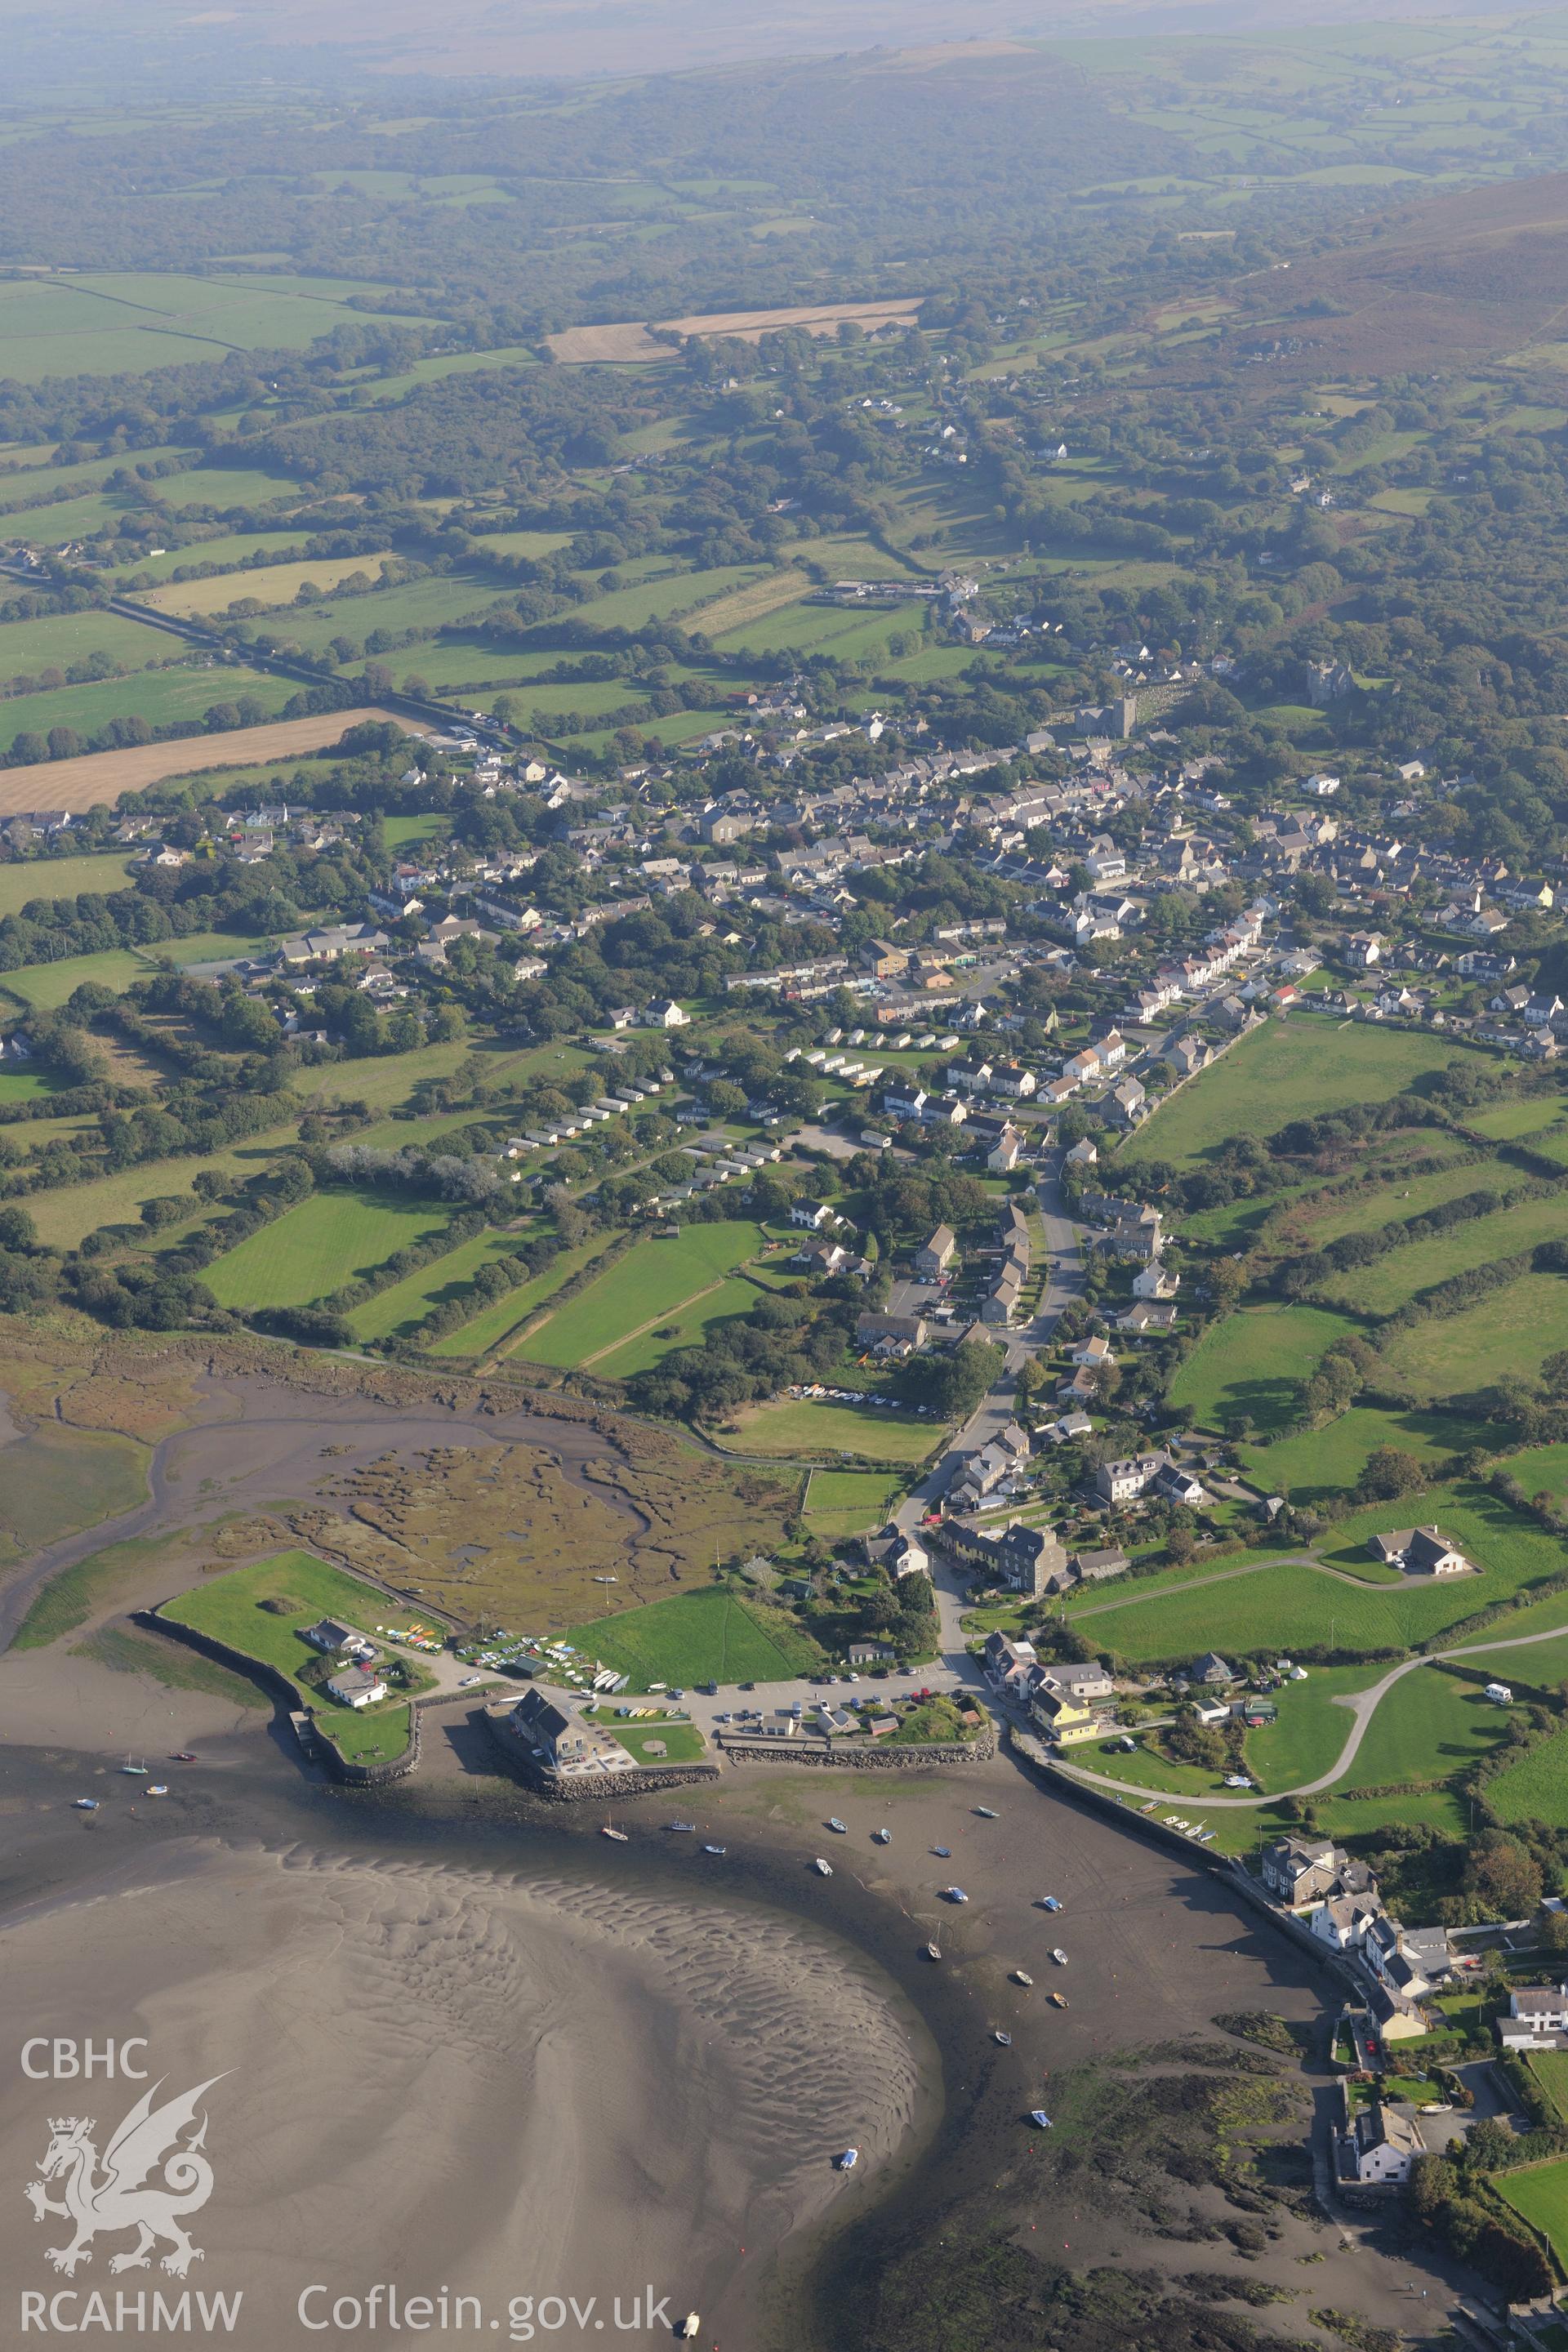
<point>508,2087</point>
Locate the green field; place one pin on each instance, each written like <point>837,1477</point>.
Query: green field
<point>1295,1607</point>
<point>846,1502</point>
<point>1250,1363</point>
<point>698,1637</point>
<point>1311,1728</point>
<point>650,1283</point>
<point>1379,1289</point>
<point>164,697</point>
<point>683,1743</point>
<point>1323,1462</point>
<point>59,877</point>
<point>63,1216</point>
<point>684,1327</point>
<point>492,1326</point>
<point>125,323</point>
<point>1536,1787</point>
<point>803,1426</point>
<point>58,639</point>
<point>1540,2194</point>
<point>409,1301</point>
<point>1550,2068</point>
<point>231,1609</point>
<point>1510,1330</point>
<point>44,985</point>
<point>1429,1726</point>
<point>310,1250</point>
<point>1363,1211</point>
<point>1281,1071</point>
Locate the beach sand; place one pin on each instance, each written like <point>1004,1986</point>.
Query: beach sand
<point>504,2084</point>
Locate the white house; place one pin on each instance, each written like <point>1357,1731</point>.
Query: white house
<point>812,1214</point>
<point>1156,1280</point>
<point>665,1014</point>
<point>355,1687</point>
<point>1379,2148</point>
<point>1420,1551</point>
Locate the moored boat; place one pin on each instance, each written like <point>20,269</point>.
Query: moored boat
<point>933,1951</point>
<point>607,1830</point>
<point>1005,2039</point>
<point>823,1869</point>
<point>1038,2116</point>
<point>85,1804</point>
<point>848,2159</point>
<point>1022,1975</point>
<point>1059,1957</point>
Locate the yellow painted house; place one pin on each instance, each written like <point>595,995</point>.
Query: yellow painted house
<point>1066,1719</point>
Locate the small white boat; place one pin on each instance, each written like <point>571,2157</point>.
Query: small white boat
<point>85,1804</point>
<point>849,2160</point>
<point>823,1869</point>
<point>620,1835</point>
<point>841,1827</point>
<point>157,1788</point>
<point>988,1813</point>
<point>1005,2039</point>
<point>1038,2116</point>
<point>954,1895</point>
<point>713,1849</point>
<point>1059,1957</point>
<point>688,1826</point>
<point>933,1951</point>
<point>1022,1975</point>
<point>689,2326</point>
<point>1058,2000</point>
<point>1049,1903</point>
<point>883,1837</point>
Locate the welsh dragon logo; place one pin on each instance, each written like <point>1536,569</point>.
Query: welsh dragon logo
<point>123,2195</point>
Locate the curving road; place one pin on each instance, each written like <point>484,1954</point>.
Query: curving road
<point>1363,1705</point>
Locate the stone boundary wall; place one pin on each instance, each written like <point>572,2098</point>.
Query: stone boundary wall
<point>860,1755</point>
<point>239,1662</point>
<point>641,1781</point>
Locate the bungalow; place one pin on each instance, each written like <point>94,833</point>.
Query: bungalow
<point>1420,1551</point>
<point>933,1257</point>
<point>356,1688</point>
<point>871,1654</point>
<point>1086,1566</point>
<point>890,1334</point>
<point>334,1638</point>
<point>1143,1320</point>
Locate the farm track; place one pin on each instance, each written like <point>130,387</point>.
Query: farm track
<point>1362,1705</point>
<point>667,1315</point>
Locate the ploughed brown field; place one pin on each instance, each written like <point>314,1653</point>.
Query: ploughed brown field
<point>633,341</point>
<point>104,775</point>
